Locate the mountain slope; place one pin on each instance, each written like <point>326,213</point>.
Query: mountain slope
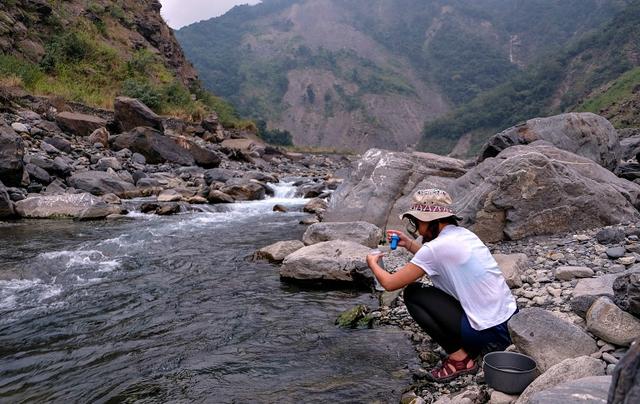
<point>355,74</point>
<point>92,50</point>
<point>597,73</point>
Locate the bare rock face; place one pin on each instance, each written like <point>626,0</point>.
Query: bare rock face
<point>611,324</point>
<point>277,252</point>
<point>155,147</point>
<point>567,370</point>
<point>548,339</point>
<point>79,124</point>
<point>6,205</point>
<point>131,113</point>
<point>382,182</point>
<point>360,232</point>
<point>624,384</point>
<point>11,156</point>
<point>59,206</point>
<point>100,183</point>
<point>584,134</point>
<point>333,261</point>
<point>592,389</point>
<point>540,189</point>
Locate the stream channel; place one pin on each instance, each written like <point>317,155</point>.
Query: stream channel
<point>172,309</point>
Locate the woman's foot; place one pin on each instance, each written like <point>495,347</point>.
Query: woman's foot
<point>452,368</point>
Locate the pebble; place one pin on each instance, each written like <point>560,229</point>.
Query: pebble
<point>20,127</point>
<point>615,252</point>
<point>627,260</point>
<point>610,369</point>
<point>607,357</point>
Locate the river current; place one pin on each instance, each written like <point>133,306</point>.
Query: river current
<point>172,309</point>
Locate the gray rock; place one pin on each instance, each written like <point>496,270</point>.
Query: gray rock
<point>169,195</point>
<point>316,206</point>
<point>567,370</point>
<point>20,127</point>
<point>155,147</point>
<point>540,189</point>
<point>341,261</point>
<point>56,206</point>
<point>218,175</point>
<point>79,124</point>
<point>626,293</point>
<point>588,390</point>
<point>11,156</point>
<point>131,113</point>
<point>61,166</point>
<point>568,273</point>
<point>217,196</point>
<point>100,183</point>
<point>100,136</point>
<point>625,388</point>
<point>359,232</point>
<point>588,290</point>
<point>202,156</point>
<point>138,158</point>
<point>382,182</point>
<point>6,205</point>
<point>498,397</point>
<point>608,322</point>
<point>245,191</point>
<point>108,162</point>
<point>38,174</point>
<point>615,252</point>
<point>610,235</point>
<point>584,134</point>
<point>512,267</point>
<point>277,252</point>
<point>59,143</point>
<point>547,338</point>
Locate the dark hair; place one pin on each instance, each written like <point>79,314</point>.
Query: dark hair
<point>434,225</point>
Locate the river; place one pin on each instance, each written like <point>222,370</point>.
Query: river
<point>171,309</point>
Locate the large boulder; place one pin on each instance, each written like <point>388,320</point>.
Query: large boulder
<point>382,182</point>
<point>202,156</point>
<point>512,267</point>
<point>154,146</point>
<point>332,261</point>
<point>277,252</point>
<point>626,293</point>
<point>588,290</point>
<point>540,189</point>
<point>130,113</point>
<point>11,156</point>
<point>57,206</point>
<point>587,390</point>
<point>101,183</point>
<point>584,134</point>
<point>548,339</point>
<point>608,322</point>
<point>79,124</point>
<point>625,383</point>
<point>6,205</point>
<point>359,232</point>
<point>244,190</point>
<point>567,370</point>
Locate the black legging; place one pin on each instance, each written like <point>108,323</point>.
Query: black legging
<point>438,314</point>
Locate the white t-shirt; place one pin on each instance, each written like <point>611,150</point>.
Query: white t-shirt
<point>462,266</point>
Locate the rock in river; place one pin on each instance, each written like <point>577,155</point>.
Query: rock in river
<point>57,206</point>
<point>360,232</point>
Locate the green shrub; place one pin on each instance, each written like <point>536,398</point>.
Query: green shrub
<point>143,91</point>
<point>29,73</point>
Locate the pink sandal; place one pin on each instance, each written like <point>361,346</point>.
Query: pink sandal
<point>444,373</point>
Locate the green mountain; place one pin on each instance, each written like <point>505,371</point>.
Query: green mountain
<point>90,51</point>
<point>599,73</point>
<point>354,74</point>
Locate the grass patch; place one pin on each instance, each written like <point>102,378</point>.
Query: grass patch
<point>621,89</point>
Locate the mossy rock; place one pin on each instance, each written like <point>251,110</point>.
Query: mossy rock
<point>356,317</point>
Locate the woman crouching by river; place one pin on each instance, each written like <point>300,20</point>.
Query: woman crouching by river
<point>467,308</point>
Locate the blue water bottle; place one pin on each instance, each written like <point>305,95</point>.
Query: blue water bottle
<point>394,241</point>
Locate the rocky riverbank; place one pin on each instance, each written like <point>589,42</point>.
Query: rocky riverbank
<point>68,160</point>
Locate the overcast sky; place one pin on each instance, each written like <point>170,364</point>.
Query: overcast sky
<point>179,13</point>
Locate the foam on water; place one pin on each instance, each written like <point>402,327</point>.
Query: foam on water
<point>82,258</point>
<point>14,291</point>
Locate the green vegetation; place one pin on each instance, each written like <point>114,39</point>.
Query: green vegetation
<point>583,67</point>
<point>274,136</point>
<point>624,87</point>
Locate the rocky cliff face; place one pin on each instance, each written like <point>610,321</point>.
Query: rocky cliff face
<point>359,74</point>
<point>28,26</point>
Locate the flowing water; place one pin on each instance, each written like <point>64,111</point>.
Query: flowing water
<point>171,309</point>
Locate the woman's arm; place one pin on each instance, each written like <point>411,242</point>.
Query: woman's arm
<point>398,280</point>
<point>405,241</point>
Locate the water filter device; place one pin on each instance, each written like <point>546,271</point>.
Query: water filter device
<point>394,241</point>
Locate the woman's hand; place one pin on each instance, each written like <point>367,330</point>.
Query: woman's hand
<point>373,259</point>
<point>405,241</point>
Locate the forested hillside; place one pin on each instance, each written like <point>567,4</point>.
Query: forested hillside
<point>355,74</point>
